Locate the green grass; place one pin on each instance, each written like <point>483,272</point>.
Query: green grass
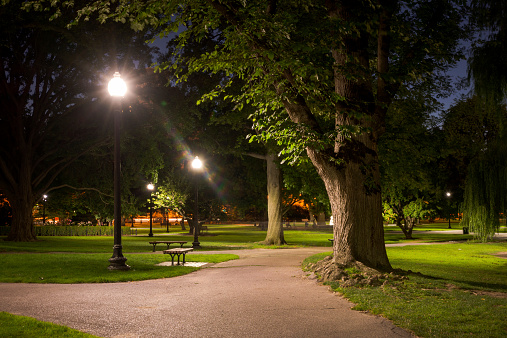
<point>26,327</point>
<point>451,295</point>
<point>219,237</point>
<point>92,268</point>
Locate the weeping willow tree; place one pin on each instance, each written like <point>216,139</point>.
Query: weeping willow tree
<point>485,191</point>
<point>486,184</point>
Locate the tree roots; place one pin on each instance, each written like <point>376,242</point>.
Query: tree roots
<point>353,274</point>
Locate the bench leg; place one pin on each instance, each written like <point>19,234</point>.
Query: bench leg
<point>172,259</point>
<point>154,245</point>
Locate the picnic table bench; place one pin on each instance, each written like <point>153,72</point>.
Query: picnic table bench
<point>178,252</point>
<point>154,243</point>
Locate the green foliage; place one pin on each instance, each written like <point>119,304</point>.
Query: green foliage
<point>485,191</point>
<point>282,54</point>
<point>487,66</point>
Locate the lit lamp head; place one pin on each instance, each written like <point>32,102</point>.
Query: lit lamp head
<point>44,197</point>
<point>150,186</point>
<point>197,163</point>
<point>117,87</point>
<point>448,194</point>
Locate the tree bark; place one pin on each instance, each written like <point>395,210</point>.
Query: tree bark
<point>22,206</point>
<point>274,235</point>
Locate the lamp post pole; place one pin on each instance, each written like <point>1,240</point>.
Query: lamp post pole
<point>117,88</point>
<point>150,188</point>
<point>196,165</point>
<point>44,198</point>
<point>448,194</point>
<point>168,220</point>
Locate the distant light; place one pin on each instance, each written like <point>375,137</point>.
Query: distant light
<point>197,163</point>
<point>448,194</point>
<point>117,87</point>
<point>150,186</point>
<point>44,197</point>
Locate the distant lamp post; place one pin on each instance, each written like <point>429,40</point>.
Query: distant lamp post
<point>150,188</point>
<point>448,194</point>
<point>196,165</point>
<point>44,199</point>
<point>117,89</point>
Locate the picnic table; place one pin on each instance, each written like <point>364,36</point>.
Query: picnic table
<point>178,252</point>
<point>154,243</point>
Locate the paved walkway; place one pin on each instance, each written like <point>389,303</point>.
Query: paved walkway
<point>263,294</point>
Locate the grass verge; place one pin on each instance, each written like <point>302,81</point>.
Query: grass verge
<point>457,290</point>
<point>26,327</point>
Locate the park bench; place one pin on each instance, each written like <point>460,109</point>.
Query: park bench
<point>154,243</point>
<point>178,252</point>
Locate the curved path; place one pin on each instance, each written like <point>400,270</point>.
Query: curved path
<point>262,294</point>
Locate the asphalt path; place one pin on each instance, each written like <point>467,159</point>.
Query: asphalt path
<point>262,294</point>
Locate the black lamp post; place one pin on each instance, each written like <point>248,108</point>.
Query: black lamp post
<point>448,194</point>
<point>196,165</point>
<point>166,217</point>
<point>117,89</point>
<point>44,199</point>
<point>150,188</point>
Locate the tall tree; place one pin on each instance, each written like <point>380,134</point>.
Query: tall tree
<point>409,149</point>
<point>49,82</point>
<point>334,67</point>
<point>486,179</point>
<point>476,147</point>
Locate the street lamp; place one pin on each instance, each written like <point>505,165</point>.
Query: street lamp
<point>196,165</point>
<point>150,188</point>
<point>448,194</point>
<point>44,199</point>
<point>117,89</point>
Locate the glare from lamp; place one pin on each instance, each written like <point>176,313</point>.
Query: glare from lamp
<point>150,186</point>
<point>117,87</point>
<point>197,163</point>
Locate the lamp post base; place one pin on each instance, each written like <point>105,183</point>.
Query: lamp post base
<point>196,245</point>
<point>117,261</point>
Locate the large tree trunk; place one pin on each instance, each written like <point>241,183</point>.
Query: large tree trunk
<point>274,235</point>
<point>357,213</point>
<point>350,171</point>
<point>22,206</point>
<point>22,222</point>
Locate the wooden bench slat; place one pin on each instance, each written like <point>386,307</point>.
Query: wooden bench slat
<point>177,252</point>
<point>154,243</point>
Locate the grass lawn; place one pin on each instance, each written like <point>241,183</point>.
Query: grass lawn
<point>459,290</point>
<point>219,237</point>
<point>26,327</point>
<point>92,268</point>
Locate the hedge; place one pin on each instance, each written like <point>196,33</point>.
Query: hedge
<point>71,230</point>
